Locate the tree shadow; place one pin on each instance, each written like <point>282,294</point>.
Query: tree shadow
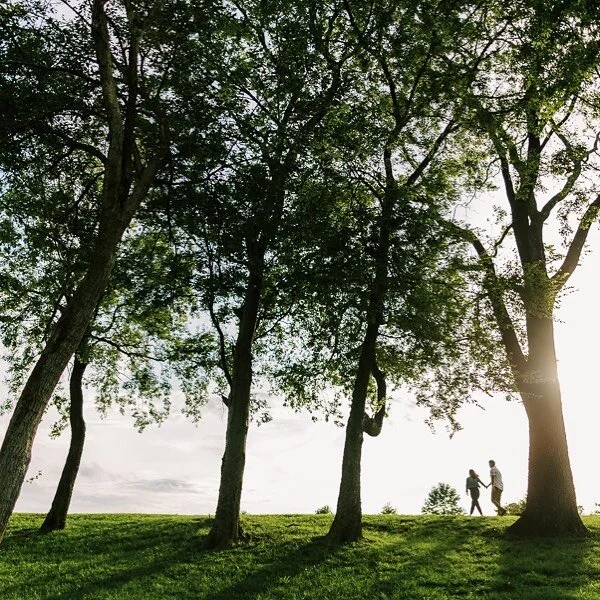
<point>475,558</point>
<point>79,562</point>
<point>401,557</point>
<point>277,568</point>
<point>551,568</point>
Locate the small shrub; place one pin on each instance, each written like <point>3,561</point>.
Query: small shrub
<point>515,508</point>
<point>388,509</point>
<point>442,500</point>
<point>324,510</point>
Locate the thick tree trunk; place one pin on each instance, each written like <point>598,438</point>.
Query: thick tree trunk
<point>551,507</point>
<point>347,524</point>
<point>57,516</point>
<point>225,528</point>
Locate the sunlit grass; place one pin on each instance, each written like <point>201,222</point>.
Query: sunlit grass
<point>412,557</point>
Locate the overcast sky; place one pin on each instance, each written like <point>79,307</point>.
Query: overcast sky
<point>293,465</point>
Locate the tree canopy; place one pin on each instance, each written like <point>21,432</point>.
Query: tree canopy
<point>248,195</point>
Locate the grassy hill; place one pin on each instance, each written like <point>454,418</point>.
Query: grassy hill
<point>408,557</point>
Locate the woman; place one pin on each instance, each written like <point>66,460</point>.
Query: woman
<point>473,483</point>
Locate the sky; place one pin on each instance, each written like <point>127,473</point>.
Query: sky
<point>293,465</point>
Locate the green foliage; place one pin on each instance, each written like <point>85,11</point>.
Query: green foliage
<point>515,508</point>
<point>268,89</point>
<point>52,158</point>
<point>443,499</point>
<point>430,333</point>
<point>155,557</point>
<point>323,510</point>
<point>291,126</point>
<point>388,509</point>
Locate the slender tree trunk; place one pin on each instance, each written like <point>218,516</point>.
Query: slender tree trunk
<point>225,528</point>
<point>15,453</point>
<point>57,516</point>
<point>551,507</point>
<point>347,524</point>
<point>118,206</point>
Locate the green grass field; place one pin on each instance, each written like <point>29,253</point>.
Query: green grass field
<point>412,557</point>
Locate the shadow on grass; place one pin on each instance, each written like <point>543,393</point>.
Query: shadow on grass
<point>81,561</point>
<point>406,558</point>
<point>277,569</point>
<point>136,558</point>
<point>448,557</point>
<point>401,558</point>
<point>549,568</point>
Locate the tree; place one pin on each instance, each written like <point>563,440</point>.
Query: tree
<point>442,500</point>
<point>131,348</point>
<point>57,515</point>
<point>388,509</point>
<point>281,74</point>
<point>406,251</point>
<point>48,217</point>
<point>533,101</point>
<point>323,510</point>
<point>137,148</point>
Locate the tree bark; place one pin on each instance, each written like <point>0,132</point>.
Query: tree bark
<point>347,524</point>
<point>57,516</point>
<point>225,529</point>
<point>551,507</point>
<point>373,425</point>
<point>15,453</point>
<point>117,209</point>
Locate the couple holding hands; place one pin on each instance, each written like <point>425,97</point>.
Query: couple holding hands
<point>473,483</point>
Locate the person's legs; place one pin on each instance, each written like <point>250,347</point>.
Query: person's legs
<point>496,495</point>
<point>475,501</point>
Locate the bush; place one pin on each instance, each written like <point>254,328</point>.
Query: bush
<point>324,510</point>
<point>388,509</point>
<point>442,500</point>
<point>515,508</point>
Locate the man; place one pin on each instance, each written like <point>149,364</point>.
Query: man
<point>497,487</point>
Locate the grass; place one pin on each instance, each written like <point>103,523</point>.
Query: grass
<point>407,557</point>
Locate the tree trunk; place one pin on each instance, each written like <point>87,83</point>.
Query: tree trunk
<point>15,453</point>
<point>57,516</point>
<point>373,425</point>
<point>118,205</point>
<point>225,529</point>
<point>551,507</point>
<point>347,524</point>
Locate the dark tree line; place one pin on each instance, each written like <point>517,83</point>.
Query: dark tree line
<point>286,174</point>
